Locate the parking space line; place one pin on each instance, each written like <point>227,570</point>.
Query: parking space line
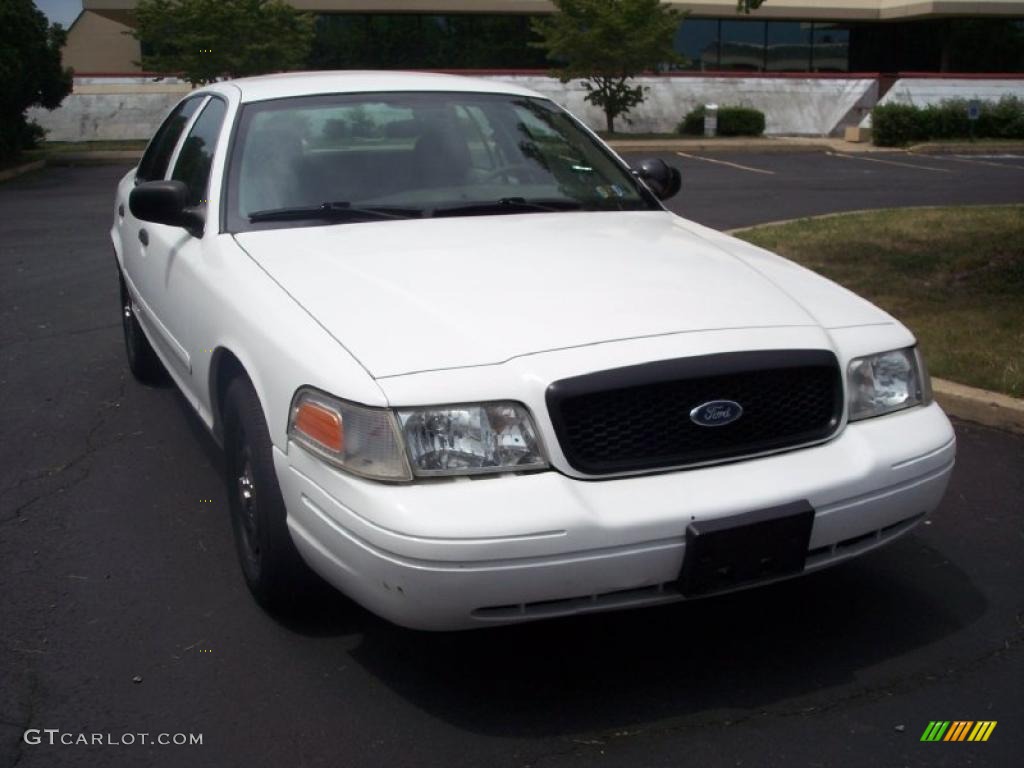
<point>726,162</point>
<point>889,162</point>
<point>975,162</point>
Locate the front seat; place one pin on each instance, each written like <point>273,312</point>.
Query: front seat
<point>440,158</point>
<point>271,173</point>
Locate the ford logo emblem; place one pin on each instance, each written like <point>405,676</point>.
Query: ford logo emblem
<point>716,413</point>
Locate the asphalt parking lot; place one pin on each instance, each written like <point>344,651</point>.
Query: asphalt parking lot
<point>743,188</point>
<point>117,564</point>
<point>727,190</point>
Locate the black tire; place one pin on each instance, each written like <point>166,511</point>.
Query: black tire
<point>142,360</point>
<point>274,571</point>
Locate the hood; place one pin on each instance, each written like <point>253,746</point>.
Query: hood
<point>420,295</point>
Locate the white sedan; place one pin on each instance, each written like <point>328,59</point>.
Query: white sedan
<point>467,368</point>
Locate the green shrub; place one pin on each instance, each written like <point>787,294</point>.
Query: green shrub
<point>693,123</point>
<point>1003,119</point>
<point>732,121</point>
<point>895,125</point>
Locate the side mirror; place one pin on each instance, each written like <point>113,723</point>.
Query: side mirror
<point>166,202</point>
<point>661,178</point>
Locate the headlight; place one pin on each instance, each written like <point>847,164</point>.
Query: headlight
<point>887,382</point>
<point>470,439</point>
<point>362,440</point>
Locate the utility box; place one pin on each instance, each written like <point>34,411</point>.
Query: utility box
<point>856,134</point>
<point>710,119</point>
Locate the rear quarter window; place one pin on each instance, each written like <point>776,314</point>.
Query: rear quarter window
<point>196,156</point>
<point>153,165</point>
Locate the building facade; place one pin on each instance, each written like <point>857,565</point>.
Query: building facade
<point>829,36</point>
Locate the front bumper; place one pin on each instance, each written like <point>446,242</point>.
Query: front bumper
<point>462,553</point>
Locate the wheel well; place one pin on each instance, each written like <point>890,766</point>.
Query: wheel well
<point>224,368</point>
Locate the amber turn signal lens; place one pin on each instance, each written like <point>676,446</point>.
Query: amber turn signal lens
<point>321,425</point>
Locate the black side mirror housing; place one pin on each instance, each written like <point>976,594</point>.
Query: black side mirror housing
<point>166,202</point>
<point>660,177</point>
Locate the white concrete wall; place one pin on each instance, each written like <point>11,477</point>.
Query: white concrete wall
<point>111,109</point>
<point>131,108</point>
<point>922,91</point>
<point>925,91</point>
<point>795,106</point>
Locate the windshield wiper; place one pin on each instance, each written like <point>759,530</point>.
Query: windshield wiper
<point>335,211</point>
<point>506,205</point>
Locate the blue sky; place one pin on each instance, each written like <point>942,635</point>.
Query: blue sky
<point>62,11</point>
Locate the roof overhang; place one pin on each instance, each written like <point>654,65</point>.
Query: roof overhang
<point>836,10</point>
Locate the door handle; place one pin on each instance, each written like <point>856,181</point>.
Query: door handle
<point>120,210</point>
<point>144,237</point>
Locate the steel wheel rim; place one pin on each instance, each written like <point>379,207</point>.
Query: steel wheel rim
<point>128,322</point>
<point>246,498</point>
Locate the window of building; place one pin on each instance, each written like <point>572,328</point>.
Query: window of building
<point>423,41</point>
<point>831,48</point>
<point>985,45</point>
<point>697,41</point>
<point>788,46</point>
<point>742,46</point>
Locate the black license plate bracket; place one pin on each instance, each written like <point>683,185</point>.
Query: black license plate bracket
<point>739,550</point>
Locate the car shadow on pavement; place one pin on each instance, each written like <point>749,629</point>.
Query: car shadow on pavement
<point>622,670</point>
<point>614,672</point>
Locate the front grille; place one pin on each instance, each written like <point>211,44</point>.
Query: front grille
<point>638,418</point>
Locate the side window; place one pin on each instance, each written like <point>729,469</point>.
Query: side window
<point>154,163</point>
<point>196,157</point>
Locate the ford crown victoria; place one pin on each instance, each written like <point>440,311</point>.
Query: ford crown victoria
<point>467,368</point>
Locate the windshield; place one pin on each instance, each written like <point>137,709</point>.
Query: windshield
<point>370,157</point>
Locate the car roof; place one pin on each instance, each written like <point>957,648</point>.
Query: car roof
<point>280,86</point>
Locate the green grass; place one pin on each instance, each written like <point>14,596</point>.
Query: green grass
<point>60,147</point>
<point>955,276</point>
<point>975,145</point>
<point>55,150</point>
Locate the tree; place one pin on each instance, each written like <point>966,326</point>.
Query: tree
<point>208,39</point>
<point>606,43</point>
<point>31,73</point>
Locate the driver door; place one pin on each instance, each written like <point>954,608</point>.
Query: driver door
<point>171,255</point>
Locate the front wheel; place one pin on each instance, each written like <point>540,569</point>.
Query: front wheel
<point>273,569</point>
<point>142,360</point>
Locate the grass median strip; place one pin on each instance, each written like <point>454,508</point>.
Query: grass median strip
<point>954,275</point>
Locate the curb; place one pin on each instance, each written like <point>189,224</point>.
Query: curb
<point>793,144</point>
<point>94,157</point>
<point>11,173</point>
<point>991,409</point>
<point>718,145</point>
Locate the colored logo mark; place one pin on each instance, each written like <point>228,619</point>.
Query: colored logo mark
<point>958,730</point>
